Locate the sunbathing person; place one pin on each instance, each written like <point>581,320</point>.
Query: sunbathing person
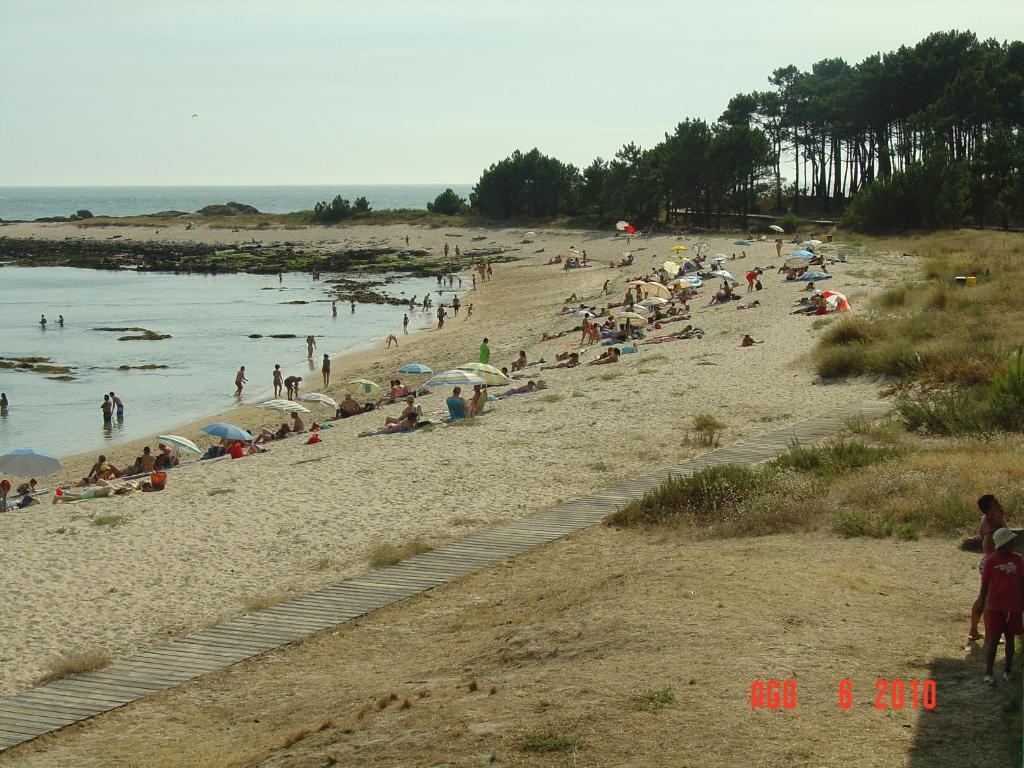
<point>550,336</point>
<point>611,355</point>
<point>405,425</point>
<point>297,424</point>
<point>479,399</point>
<point>348,407</point>
<point>520,362</point>
<point>530,386</point>
<point>570,362</point>
<point>458,408</point>
<point>410,407</point>
<point>749,341</point>
<point>749,305</point>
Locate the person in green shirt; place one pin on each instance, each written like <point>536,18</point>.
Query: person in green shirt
<point>485,352</point>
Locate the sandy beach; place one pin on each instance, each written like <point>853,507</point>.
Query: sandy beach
<point>227,533</point>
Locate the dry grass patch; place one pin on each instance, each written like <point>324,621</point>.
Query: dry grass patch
<point>74,664</point>
<point>260,602</point>
<point>389,554</point>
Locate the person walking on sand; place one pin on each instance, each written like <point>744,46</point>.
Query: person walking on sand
<point>392,338</point>
<point>325,369</point>
<point>455,305</point>
<point>406,241</point>
<point>1001,599</point>
<point>278,381</point>
<point>469,311</point>
<point>485,351</point>
<point>118,406</point>
<point>490,272</point>
<point>240,381</point>
<point>334,309</point>
<point>440,316</point>
<point>310,346</point>
<point>405,324</point>
<point>445,251</point>
<point>108,410</point>
<point>60,320</point>
<point>473,275</point>
<point>42,322</point>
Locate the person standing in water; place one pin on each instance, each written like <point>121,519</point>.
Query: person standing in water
<point>455,305</point>
<point>278,381</point>
<point>310,346</point>
<point>240,381</point>
<point>334,309</point>
<point>353,303</point>
<point>118,405</point>
<point>108,410</point>
<point>325,369</point>
<point>405,323</point>
<point>60,320</point>
<point>4,405</point>
<point>42,322</point>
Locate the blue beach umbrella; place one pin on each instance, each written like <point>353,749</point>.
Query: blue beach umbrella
<point>25,462</point>
<point>415,369</point>
<point>741,242</point>
<point>804,254</point>
<point>227,431</point>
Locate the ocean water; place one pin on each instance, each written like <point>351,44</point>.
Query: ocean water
<point>27,203</point>
<point>209,318</point>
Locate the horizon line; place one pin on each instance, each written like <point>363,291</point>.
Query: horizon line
<point>315,184</point>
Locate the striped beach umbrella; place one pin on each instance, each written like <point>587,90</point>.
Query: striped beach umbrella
<point>491,375</point>
<point>454,378</point>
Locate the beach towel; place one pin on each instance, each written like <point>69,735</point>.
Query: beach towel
<point>456,409</point>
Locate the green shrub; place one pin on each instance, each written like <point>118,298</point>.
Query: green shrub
<point>448,204</point>
<point>850,330</point>
<point>789,222</point>
<point>834,458</point>
<point>956,412</point>
<point>856,522</point>
<point>708,428</point>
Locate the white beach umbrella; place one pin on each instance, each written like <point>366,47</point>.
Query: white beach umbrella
<point>727,276</point>
<point>316,397</point>
<point>655,301</point>
<point>718,258</point>
<point>776,228</point>
<point>287,406</point>
<point>657,289</point>
<point>181,442</point>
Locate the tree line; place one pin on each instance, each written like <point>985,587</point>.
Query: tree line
<point>925,136</point>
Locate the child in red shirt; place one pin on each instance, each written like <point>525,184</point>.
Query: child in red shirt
<point>1002,597</point>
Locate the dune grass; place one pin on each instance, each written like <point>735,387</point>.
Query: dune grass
<point>73,664</point>
<point>850,487</point>
<point>935,331</point>
<point>389,554</point>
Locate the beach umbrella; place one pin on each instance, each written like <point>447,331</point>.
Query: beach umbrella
<point>454,378</point>
<point>630,317</point>
<point>657,289</point>
<point>227,431</point>
<point>836,300</point>
<point>25,462</point>
<point>416,369</point>
<point>654,301</point>
<point>776,228</point>
<point>803,254</point>
<point>181,442</point>
<point>530,234</point>
<point>621,225</point>
<point>680,282</point>
<point>363,387</point>
<point>741,242</point>
<point>701,248</point>
<point>316,397</point>
<point>690,266</point>
<point>491,375</point>
<point>678,248</point>
<point>635,283</point>
<point>718,258</point>
<point>795,263</point>
<point>815,242</point>
<point>671,267</point>
<point>727,276</point>
<point>283,405</point>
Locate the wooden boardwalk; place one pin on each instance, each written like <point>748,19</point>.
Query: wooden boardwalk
<point>50,707</point>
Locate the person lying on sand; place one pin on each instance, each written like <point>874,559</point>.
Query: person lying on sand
<point>104,488</point>
<point>749,341</point>
<point>550,336</point>
<point>405,425</point>
<point>530,386</point>
<point>749,305</point>
<point>570,362</point>
<point>609,356</point>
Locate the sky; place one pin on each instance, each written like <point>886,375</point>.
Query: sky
<point>399,91</point>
